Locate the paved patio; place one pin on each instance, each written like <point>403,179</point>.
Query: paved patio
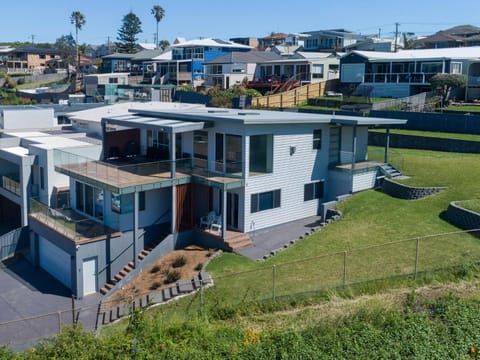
<point>270,240</point>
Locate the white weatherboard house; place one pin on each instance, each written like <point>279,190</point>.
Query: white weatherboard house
<point>167,178</point>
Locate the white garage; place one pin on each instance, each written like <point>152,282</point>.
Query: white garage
<point>55,261</point>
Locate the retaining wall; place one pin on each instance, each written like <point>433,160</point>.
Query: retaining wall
<point>406,192</point>
<point>463,218</point>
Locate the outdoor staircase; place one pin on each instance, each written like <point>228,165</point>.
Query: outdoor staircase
<point>122,273</point>
<point>238,242</point>
<point>389,171</point>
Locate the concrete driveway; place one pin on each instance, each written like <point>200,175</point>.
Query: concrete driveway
<point>34,305</point>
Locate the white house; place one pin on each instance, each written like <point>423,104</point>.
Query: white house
<point>408,72</point>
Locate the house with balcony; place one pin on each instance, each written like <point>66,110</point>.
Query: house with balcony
<point>408,72</point>
<point>186,63</point>
<point>457,36</point>
<point>171,177</point>
<point>29,59</point>
<point>334,40</point>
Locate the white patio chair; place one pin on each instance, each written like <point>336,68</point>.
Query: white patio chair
<point>208,220</point>
<point>217,224</point>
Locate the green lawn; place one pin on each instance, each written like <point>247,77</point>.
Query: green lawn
<point>369,219</point>
<point>442,135</point>
<point>466,108</point>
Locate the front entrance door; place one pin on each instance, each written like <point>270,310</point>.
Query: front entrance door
<point>232,210</point>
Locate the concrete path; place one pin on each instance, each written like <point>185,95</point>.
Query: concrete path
<point>35,305</point>
<point>277,237</point>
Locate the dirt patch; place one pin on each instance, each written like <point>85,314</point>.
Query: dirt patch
<point>177,265</point>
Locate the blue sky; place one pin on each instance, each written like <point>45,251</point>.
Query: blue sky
<point>49,19</point>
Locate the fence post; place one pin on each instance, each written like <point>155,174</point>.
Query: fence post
<point>73,310</point>
<point>274,268</point>
<point>59,313</point>
<point>416,259</point>
<point>345,269</point>
<point>201,296</point>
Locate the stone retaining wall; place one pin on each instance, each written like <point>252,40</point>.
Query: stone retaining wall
<point>463,218</point>
<point>406,192</point>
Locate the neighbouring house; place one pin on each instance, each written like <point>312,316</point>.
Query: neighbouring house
<point>186,63</point>
<point>29,59</point>
<point>160,172</point>
<point>302,68</point>
<point>408,72</point>
<point>248,41</point>
<point>271,40</point>
<point>335,40</point>
<point>235,68</point>
<point>105,86</point>
<point>458,36</point>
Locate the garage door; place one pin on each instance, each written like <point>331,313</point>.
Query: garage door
<point>89,276</point>
<point>55,261</point>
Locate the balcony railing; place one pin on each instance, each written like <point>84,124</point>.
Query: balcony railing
<point>69,223</point>
<point>396,78</point>
<point>8,183</point>
<point>137,170</point>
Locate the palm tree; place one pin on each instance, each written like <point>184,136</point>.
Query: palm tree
<point>78,20</point>
<point>158,13</point>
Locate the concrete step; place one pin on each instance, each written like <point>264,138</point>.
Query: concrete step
<point>239,242</point>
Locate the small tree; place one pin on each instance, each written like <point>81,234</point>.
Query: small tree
<point>446,82</point>
<point>127,34</point>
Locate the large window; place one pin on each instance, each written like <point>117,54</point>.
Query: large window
<point>317,139</point>
<point>261,154</point>
<point>432,68</point>
<point>265,201</point>
<point>89,200</point>
<point>200,148</point>
<point>317,71</point>
<point>313,191</point>
<point>216,69</point>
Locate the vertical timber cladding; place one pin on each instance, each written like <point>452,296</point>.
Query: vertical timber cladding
<point>184,206</point>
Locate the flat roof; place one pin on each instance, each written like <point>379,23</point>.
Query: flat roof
<point>170,126</point>
<point>470,52</point>
<point>265,117</point>
<point>96,114</point>
<point>16,150</point>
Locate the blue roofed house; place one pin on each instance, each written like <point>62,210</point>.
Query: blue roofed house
<point>186,64</point>
<point>161,172</point>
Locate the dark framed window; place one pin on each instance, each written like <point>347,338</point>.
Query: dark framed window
<point>265,201</point>
<point>317,139</point>
<point>42,178</point>
<point>261,154</point>
<point>141,201</point>
<point>313,190</point>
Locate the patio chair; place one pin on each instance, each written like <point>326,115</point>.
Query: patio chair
<point>208,220</point>
<point>217,224</point>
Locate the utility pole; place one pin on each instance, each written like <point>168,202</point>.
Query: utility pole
<point>396,36</point>
<point>33,38</point>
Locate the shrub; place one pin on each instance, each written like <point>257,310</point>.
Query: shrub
<point>199,267</point>
<point>155,269</point>
<point>171,277</point>
<point>155,285</point>
<point>179,261</point>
